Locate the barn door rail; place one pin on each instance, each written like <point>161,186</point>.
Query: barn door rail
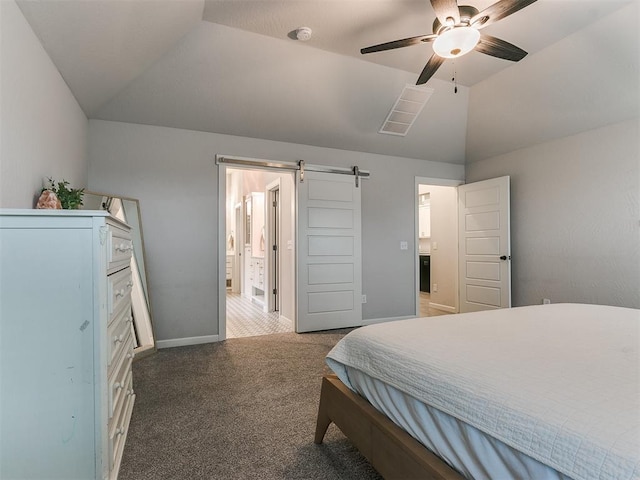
<point>300,166</point>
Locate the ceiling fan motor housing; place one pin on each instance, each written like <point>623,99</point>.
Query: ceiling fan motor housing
<point>467,12</point>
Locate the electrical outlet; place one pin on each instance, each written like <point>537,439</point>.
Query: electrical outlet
<point>364,299</point>
<point>546,301</point>
<point>404,245</point>
<point>434,245</point>
<point>435,288</point>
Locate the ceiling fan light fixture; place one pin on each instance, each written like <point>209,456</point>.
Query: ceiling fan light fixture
<point>456,42</point>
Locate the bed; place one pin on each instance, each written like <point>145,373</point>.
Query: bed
<point>539,392</point>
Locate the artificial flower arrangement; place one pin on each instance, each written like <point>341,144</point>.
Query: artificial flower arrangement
<point>58,195</point>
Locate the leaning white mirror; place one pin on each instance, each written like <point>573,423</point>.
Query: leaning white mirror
<point>128,210</point>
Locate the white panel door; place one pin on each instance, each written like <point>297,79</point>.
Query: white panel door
<point>484,245</point>
<point>329,257</point>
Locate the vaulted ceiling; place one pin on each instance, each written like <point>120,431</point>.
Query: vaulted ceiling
<point>235,67</point>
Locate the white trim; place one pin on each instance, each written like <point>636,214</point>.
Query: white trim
<point>288,320</point>
<point>222,253</point>
<point>441,182</point>
<point>371,321</point>
<point>183,342</point>
<point>268,264</point>
<point>444,308</point>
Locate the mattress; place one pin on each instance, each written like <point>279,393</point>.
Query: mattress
<point>466,449</point>
<point>558,383</point>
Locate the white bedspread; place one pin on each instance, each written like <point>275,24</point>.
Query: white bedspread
<point>560,383</point>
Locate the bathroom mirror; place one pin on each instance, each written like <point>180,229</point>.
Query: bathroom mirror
<point>128,210</point>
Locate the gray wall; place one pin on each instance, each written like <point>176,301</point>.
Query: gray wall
<point>173,174</point>
<point>574,217</point>
<point>567,134</point>
<point>444,259</point>
<point>43,131</point>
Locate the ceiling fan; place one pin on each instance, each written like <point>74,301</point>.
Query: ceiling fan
<point>456,32</point>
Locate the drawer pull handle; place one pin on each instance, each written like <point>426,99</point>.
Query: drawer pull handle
<point>117,339</point>
<point>119,431</point>
<point>129,355</point>
<point>117,386</point>
<point>129,319</point>
<point>123,247</point>
<point>130,392</point>
<point>130,284</point>
<point>120,293</point>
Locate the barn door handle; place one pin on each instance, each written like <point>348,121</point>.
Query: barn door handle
<point>504,257</point>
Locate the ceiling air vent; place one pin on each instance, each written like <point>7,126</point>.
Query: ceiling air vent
<point>406,110</point>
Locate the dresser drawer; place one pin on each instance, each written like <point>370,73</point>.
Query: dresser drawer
<point>120,382</point>
<point>118,333</point>
<point>118,434</point>
<point>120,248</point>
<point>119,288</point>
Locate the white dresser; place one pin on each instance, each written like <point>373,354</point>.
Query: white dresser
<point>66,344</point>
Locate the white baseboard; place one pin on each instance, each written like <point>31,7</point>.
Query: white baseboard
<point>183,342</point>
<point>371,321</point>
<point>444,308</point>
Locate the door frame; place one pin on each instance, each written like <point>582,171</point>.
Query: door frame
<point>224,161</point>
<point>440,182</point>
<point>237,275</point>
<point>272,280</point>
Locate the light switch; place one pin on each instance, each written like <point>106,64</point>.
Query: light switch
<point>434,245</point>
<point>289,244</point>
<point>404,245</point>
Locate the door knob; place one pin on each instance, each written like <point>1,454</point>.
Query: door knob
<point>504,257</point>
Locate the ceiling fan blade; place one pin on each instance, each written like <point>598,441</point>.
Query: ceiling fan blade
<point>446,9</point>
<point>405,42</point>
<point>499,48</point>
<point>498,11</point>
<point>430,68</point>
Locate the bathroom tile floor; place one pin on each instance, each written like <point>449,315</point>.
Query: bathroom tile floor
<point>245,319</point>
<point>425,308</point>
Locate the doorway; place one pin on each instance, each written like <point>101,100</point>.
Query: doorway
<point>436,246</point>
<point>319,257</point>
<point>469,244</point>
<point>255,271</point>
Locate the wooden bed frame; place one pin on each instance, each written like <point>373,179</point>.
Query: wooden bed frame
<point>391,451</point>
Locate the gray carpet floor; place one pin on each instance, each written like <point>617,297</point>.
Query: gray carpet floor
<point>244,408</point>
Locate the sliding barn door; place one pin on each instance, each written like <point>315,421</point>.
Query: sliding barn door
<point>484,245</point>
<point>329,257</point>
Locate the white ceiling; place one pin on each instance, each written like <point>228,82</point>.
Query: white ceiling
<point>346,26</point>
<point>231,66</point>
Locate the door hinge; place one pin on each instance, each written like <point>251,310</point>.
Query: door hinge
<point>275,291</point>
<point>275,248</point>
<point>356,172</point>
<point>275,203</point>
<point>301,167</point>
